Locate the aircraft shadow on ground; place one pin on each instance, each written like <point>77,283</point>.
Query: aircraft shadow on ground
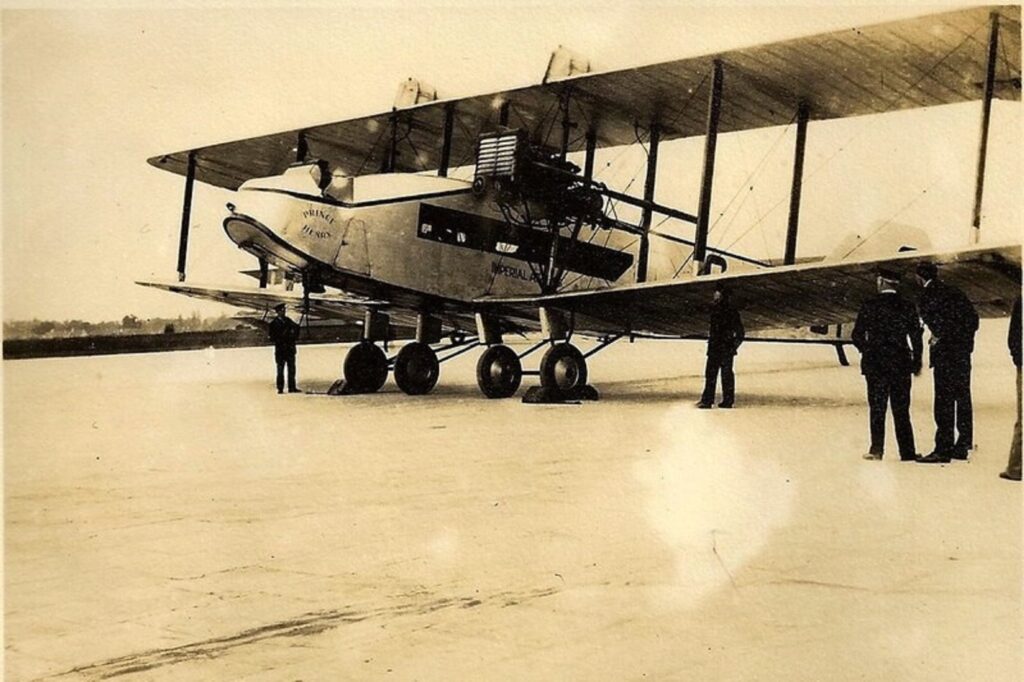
<point>645,391</point>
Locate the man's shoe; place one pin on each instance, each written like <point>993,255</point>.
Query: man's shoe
<point>873,455</point>
<point>703,406</point>
<point>934,458</point>
<point>909,458</point>
<point>725,405</point>
<point>1008,476</point>
<point>294,390</point>
<point>280,391</point>
<point>958,453</point>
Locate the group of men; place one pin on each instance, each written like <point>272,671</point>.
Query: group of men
<point>888,333</point>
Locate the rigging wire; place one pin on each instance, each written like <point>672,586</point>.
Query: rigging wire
<point>749,178</point>
<point>860,132</point>
<point>373,149</point>
<point>416,152</point>
<point>893,217</point>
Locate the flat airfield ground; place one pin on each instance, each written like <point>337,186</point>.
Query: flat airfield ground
<point>169,516</point>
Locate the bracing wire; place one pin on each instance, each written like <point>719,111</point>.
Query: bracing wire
<point>858,133</point>
<point>891,218</point>
<point>373,148</point>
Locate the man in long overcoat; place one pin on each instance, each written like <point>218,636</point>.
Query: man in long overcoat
<point>888,335</point>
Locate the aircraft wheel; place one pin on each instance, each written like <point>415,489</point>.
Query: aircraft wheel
<point>365,368</point>
<point>416,368</point>
<point>563,368</point>
<point>499,372</point>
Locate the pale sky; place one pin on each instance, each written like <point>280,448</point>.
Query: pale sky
<point>88,96</point>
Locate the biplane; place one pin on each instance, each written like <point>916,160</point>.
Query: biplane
<point>364,221</point>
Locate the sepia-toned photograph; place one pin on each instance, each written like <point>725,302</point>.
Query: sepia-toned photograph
<point>512,341</point>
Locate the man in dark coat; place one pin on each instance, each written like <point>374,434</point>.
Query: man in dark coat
<point>888,335</point>
<point>952,321</point>
<point>1012,472</point>
<point>284,332</point>
<point>725,334</point>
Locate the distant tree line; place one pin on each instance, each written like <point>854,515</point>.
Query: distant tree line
<point>128,325</point>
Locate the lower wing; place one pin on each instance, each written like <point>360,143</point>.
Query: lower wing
<point>773,298</point>
<point>327,306</point>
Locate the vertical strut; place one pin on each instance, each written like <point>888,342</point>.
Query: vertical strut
<point>264,273</point>
<point>798,179</point>
<point>645,220</point>
<point>588,160</point>
<point>186,214</point>
<point>388,166</point>
<point>446,141</point>
<point>503,114</point>
<point>566,127</point>
<point>986,110</point>
<point>301,148</point>
<point>707,178</point>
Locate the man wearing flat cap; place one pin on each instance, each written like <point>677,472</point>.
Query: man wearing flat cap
<point>952,321</point>
<point>888,335</point>
<point>284,333</point>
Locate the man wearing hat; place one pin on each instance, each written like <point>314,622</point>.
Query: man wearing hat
<point>284,332</point>
<point>888,335</point>
<point>725,334</point>
<point>952,321</point>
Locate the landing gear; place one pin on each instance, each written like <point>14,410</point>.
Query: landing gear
<point>416,369</point>
<point>563,368</point>
<point>499,372</point>
<point>563,377</point>
<point>365,368</point>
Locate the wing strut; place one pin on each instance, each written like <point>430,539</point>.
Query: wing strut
<point>707,178</point>
<point>986,110</point>
<point>798,179</point>
<point>446,140</point>
<point>645,221</point>
<point>186,214</point>
<point>264,272</point>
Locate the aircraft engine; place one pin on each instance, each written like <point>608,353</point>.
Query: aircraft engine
<point>533,185</point>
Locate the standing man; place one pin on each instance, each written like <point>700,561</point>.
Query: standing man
<point>1012,472</point>
<point>284,332</point>
<point>888,335</point>
<point>952,321</point>
<point>725,334</point>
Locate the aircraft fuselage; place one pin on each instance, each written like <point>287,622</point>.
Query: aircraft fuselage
<point>438,239</point>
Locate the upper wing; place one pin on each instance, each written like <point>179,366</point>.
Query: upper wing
<point>793,296</point>
<point>328,306</point>
<point>926,61</point>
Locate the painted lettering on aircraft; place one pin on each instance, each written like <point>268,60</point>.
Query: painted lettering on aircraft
<point>317,223</point>
<point>318,214</point>
<point>315,233</point>
<point>509,271</point>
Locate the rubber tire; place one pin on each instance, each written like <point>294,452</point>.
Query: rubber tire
<point>417,369</point>
<point>563,368</point>
<point>499,372</point>
<point>365,368</point>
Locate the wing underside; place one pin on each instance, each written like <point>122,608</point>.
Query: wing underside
<point>773,298</point>
<point>339,307</point>
<point>769,299</point>
<point>921,62</point>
